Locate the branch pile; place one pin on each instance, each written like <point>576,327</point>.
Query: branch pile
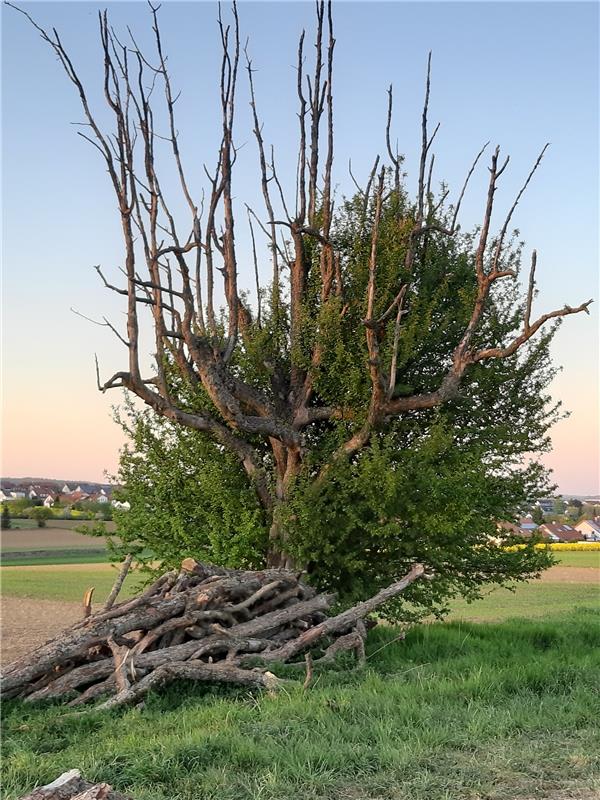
<point>203,623</point>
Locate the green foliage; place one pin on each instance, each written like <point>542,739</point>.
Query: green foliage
<point>188,497</point>
<point>558,506</point>
<point>40,514</point>
<point>430,485</point>
<point>94,509</point>
<point>5,521</point>
<point>390,507</point>
<point>537,515</point>
<point>18,506</point>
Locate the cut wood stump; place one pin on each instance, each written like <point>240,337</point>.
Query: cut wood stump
<point>202,623</point>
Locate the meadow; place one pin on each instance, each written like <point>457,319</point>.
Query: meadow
<point>499,703</point>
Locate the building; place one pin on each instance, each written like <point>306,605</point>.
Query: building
<point>557,532</point>
<point>546,505</point>
<point>526,523</point>
<point>98,497</point>
<point>589,529</point>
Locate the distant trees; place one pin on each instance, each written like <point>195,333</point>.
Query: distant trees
<point>537,515</point>
<point>40,514</point>
<point>5,520</point>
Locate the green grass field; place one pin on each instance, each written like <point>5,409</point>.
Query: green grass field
<point>530,601</point>
<point>64,580</point>
<point>500,703</point>
<point>578,558</point>
<point>18,559</point>
<point>61,581</point>
<point>22,524</point>
<point>458,711</point>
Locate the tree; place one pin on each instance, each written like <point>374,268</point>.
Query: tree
<point>5,521</point>
<point>377,402</point>
<point>40,514</point>
<point>558,505</point>
<point>537,515</point>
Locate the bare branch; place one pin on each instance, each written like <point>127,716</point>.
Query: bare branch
<point>258,292</point>
<point>498,252</point>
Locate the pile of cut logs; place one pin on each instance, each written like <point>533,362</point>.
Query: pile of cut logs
<point>202,623</point>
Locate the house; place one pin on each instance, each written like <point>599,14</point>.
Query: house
<point>49,501</point>
<point>98,497</point>
<point>557,532</point>
<point>510,529</point>
<point>66,489</point>
<point>589,529</point>
<point>76,497</point>
<point>526,523</point>
<point>546,505</point>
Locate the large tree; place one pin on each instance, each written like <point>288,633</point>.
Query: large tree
<point>378,400</point>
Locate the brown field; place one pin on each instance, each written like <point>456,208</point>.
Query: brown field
<point>560,574</point>
<point>51,538</point>
<point>28,623</point>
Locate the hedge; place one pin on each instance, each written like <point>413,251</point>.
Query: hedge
<point>557,546</point>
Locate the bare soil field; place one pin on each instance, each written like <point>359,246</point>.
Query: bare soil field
<point>28,623</point>
<point>560,574</point>
<point>49,539</point>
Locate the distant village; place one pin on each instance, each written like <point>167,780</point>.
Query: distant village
<point>552,519</point>
<point>556,520</point>
<point>56,494</point>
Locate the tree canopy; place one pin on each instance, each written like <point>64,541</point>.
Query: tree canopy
<point>381,400</point>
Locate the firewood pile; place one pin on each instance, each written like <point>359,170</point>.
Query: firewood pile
<point>201,623</point>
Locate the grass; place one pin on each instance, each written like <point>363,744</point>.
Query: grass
<point>61,582</point>
<point>32,577</point>
<point>32,559</point>
<point>22,524</point>
<point>578,558</point>
<point>529,600</point>
<point>457,711</point>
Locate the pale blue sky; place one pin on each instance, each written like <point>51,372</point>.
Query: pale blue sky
<point>519,74</point>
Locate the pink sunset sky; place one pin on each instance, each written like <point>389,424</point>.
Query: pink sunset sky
<point>59,217</point>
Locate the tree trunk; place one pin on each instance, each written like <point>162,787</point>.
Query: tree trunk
<point>287,468</point>
<point>277,558</point>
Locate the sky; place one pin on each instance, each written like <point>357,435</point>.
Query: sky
<point>518,74</point>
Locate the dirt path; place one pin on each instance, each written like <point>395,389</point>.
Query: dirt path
<point>28,623</point>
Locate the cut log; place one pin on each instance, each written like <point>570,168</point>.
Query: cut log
<point>71,786</point>
<point>203,623</point>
